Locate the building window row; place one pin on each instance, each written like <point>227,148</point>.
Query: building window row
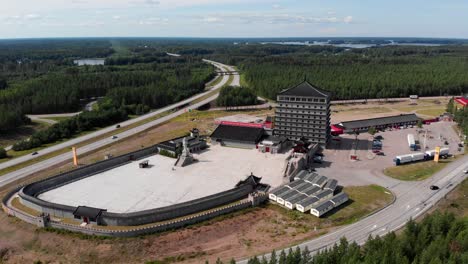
<point>303,106</point>
<point>300,99</point>
<point>310,117</point>
<point>289,110</point>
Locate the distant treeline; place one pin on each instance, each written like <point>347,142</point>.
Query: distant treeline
<point>438,239</point>
<point>136,84</point>
<point>236,96</point>
<point>380,72</point>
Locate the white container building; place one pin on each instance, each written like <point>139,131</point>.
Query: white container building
<point>331,185</point>
<point>306,204</point>
<point>322,208</point>
<point>273,195</point>
<point>281,198</point>
<point>291,203</point>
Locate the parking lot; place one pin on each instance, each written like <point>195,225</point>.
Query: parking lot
<point>368,167</point>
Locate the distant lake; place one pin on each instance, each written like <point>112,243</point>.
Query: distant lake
<point>350,45</point>
<point>82,62</point>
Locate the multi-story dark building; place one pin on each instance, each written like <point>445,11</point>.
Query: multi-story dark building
<point>303,111</point>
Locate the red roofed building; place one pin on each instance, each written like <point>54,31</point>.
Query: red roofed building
<point>461,101</point>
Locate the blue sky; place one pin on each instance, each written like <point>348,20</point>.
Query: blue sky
<point>233,18</point>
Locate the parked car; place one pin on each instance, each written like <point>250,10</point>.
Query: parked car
<point>318,159</point>
<point>113,137</point>
<point>117,126</point>
<point>34,153</point>
<point>465,170</point>
<point>460,145</point>
<point>434,187</point>
<point>446,142</point>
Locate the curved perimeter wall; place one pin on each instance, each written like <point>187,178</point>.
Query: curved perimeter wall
<point>30,192</point>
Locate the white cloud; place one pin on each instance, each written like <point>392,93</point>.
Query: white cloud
<point>348,19</point>
<point>32,16</point>
<point>247,18</point>
<point>277,6</point>
<point>211,19</point>
<point>153,21</point>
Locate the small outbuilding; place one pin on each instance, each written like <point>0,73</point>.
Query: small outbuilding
<point>89,215</point>
<point>272,144</point>
<point>174,146</point>
<point>237,136</point>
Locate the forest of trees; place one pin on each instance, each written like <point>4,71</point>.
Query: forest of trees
<point>356,76</point>
<point>3,153</point>
<point>70,127</point>
<point>378,72</point>
<point>440,238</point>
<point>40,78</point>
<point>236,96</point>
<point>461,116</point>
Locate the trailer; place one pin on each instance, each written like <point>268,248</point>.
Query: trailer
<point>408,158</point>
<point>411,142</point>
<point>431,153</point>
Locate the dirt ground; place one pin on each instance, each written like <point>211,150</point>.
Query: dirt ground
<point>423,107</point>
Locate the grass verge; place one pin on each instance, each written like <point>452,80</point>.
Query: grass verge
<point>456,202</point>
<point>416,171</point>
<point>363,200</point>
<point>18,205</point>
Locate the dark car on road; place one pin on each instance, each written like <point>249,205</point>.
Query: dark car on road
<point>434,187</point>
<point>34,153</point>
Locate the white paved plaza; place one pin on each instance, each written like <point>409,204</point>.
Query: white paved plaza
<point>128,188</point>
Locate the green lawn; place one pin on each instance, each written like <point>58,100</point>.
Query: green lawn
<point>364,200</point>
<point>416,171</point>
<point>216,81</point>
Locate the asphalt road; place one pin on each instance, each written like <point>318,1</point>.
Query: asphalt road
<point>23,172</point>
<point>412,200</point>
